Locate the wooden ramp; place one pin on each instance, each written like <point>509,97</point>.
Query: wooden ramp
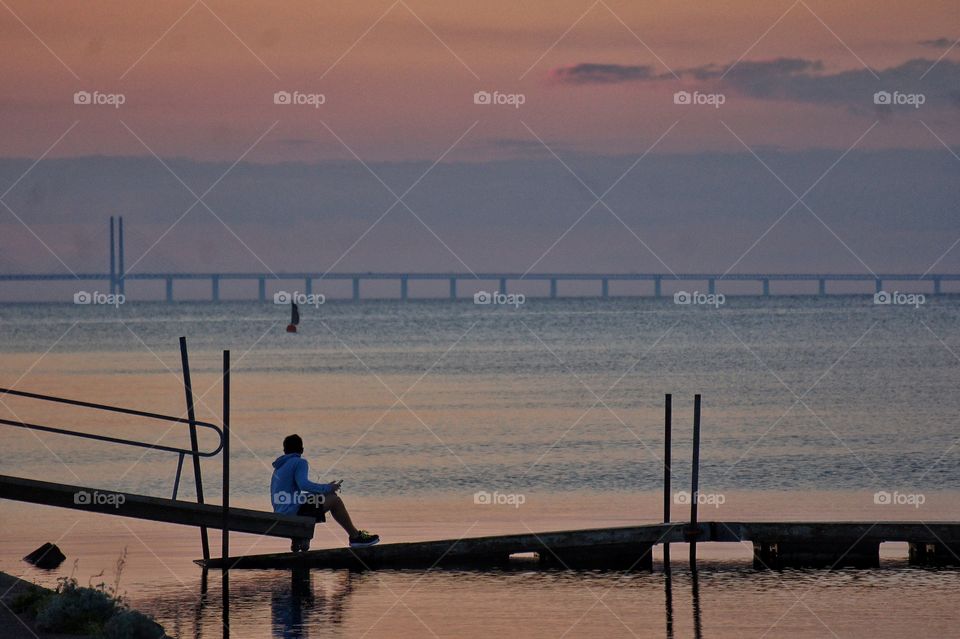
<point>153,508</point>
<point>775,545</point>
<point>611,547</point>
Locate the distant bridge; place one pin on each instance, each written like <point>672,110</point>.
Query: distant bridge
<point>117,277</point>
<point>117,281</point>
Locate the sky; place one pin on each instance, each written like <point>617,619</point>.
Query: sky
<point>618,136</point>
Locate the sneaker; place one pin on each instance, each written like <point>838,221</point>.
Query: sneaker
<point>364,539</point>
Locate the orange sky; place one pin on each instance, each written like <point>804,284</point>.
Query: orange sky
<point>398,77</point>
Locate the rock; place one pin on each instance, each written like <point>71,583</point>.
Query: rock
<point>47,556</point>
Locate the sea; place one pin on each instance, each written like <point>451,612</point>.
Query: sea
<point>448,420</point>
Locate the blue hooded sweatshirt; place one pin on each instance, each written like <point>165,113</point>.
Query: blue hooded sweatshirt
<point>289,481</point>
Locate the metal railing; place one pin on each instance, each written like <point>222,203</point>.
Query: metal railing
<point>223,435</point>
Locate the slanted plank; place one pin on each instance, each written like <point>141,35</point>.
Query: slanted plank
<point>170,511</point>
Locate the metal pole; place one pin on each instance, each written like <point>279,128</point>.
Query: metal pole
<point>192,417</point>
<point>120,270</point>
<point>695,482</point>
<point>113,260</point>
<point>176,480</point>
<point>225,551</point>
<point>667,435</point>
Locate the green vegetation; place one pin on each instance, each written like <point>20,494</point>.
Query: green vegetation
<point>95,610</point>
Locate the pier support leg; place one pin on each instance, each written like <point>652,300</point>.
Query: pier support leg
<point>453,288</point>
<point>822,290</point>
<point>712,286</point>
<point>403,288</point>
<point>308,286</point>
<point>262,293</point>
<point>503,286</point>
<point>169,289</point>
<point>766,288</point>
<point>658,287</point>
<point>933,554</point>
<point>356,289</point>
<point>816,553</point>
<point>879,285</point>
<point>605,288</point>
<point>937,286</point>
<point>215,288</point>
<point>553,288</point>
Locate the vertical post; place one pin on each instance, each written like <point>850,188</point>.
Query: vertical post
<point>936,286</point>
<point>658,286</point>
<point>695,482</point>
<point>215,288</point>
<point>667,497</point>
<point>262,290</point>
<point>356,289</point>
<point>169,289</point>
<point>403,288</point>
<point>225,539</point>
<point>605,288</point>
<point>194,446</point>
<point>308,286</point>
<point>113,261</point>
<point>711,286</point>
<point>553,288</point>
<point>453,288</point>
<point>503,286</point>
<point>822,290</point>
<point>120,268</point>
<point>879,285</point>
<point>766,287</point>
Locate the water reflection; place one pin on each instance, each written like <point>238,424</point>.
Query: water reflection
<point>548,603</point>
<point>295,607</point>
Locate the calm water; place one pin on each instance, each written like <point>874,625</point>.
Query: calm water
<point>810,407</point>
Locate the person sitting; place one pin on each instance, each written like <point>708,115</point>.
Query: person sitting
<point>292,493</point>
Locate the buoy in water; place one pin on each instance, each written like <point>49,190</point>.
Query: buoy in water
<point>291,328</point>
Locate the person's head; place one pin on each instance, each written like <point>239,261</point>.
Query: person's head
<point>292,444</point>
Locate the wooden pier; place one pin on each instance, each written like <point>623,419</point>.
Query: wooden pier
<point>775,545</point>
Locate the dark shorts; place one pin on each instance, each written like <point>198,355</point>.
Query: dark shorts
<point>313,510</point>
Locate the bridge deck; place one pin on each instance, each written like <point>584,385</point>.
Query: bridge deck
<point>153,508</point>
<point>807,543</point>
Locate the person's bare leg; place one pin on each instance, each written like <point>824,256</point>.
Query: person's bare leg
<point>336,507</point>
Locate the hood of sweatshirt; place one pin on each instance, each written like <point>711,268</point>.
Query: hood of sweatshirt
<point>283,459</point>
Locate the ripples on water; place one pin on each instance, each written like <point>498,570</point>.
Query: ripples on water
<point>799,392</point>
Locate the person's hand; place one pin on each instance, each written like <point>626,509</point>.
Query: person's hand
<point>336,485</point>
